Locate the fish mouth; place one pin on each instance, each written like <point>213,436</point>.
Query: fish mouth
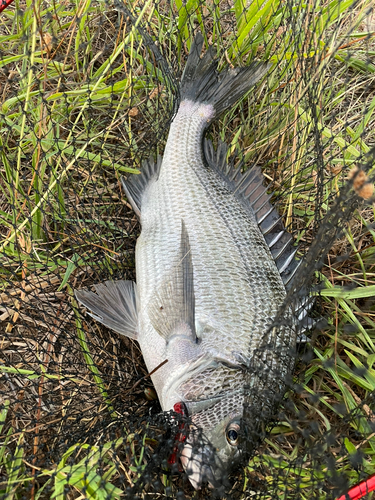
<point>200,467</point>
<point>198,460</point>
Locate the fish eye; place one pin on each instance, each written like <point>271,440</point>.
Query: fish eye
<point>232,434</point>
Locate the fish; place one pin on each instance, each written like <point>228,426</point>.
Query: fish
<point>213,265</point>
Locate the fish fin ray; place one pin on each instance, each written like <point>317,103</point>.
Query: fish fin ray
<point>114,304</point>
<point>304,321</point>
<point>174,303</point>
<point>136,184</point>
<point>201,82</point>
<point>290,272</point>
<point>250,191</point>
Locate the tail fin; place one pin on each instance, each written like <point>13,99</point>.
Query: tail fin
<point>201,82</point>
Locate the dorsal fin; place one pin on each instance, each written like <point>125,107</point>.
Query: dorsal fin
<point>251,192</point>
<point>135,185</point>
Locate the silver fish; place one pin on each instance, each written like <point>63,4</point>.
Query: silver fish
<point>212,263</point>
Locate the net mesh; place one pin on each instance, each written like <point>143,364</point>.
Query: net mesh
<point>89,89</point>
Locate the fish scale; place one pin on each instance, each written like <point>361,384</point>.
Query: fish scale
<point>226,263</point>
<point>208,285</point>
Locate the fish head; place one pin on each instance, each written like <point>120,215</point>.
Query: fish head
<point>224,431</point>
<point>212,447</point>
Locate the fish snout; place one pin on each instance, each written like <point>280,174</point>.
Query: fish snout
<point>201,465</point>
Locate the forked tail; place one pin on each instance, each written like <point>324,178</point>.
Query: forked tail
<point>201,82</point>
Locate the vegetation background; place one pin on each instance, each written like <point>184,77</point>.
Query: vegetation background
<point>84,100</point>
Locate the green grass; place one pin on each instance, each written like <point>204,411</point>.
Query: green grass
<point>80,110</point>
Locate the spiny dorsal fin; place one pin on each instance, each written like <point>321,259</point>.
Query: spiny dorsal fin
<point>249,189</point>
<point>136,184</point>
<point>174,303</point>
<point>114,304</point>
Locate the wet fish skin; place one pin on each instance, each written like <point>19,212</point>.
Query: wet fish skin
<point>229,252</point>
<point>237,286</point>
<point>208,286</point>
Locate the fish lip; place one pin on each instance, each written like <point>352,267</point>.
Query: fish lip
<point>198,468</point>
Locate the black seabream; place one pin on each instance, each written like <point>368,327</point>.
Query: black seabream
<point>213,262</point>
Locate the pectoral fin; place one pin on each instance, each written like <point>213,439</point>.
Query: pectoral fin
<point>114,305</point>
<point>172,309</point>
